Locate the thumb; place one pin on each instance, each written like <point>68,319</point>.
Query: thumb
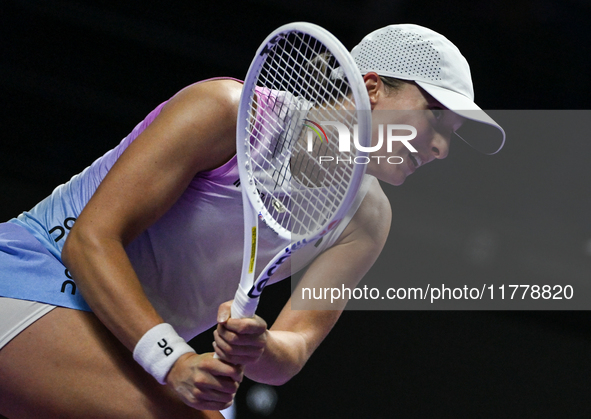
<point>224,311</point>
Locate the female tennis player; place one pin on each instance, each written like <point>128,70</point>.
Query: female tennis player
<point>104,281</point>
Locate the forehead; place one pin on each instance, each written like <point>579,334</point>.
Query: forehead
<point>412,91</point>
<point>430,99</point>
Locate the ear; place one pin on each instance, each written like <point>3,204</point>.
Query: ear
<point>374,85</point>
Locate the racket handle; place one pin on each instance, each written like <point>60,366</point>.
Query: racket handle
<point>243,306</point>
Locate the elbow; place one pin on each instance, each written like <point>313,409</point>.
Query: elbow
<point>68,249</point>
<point>277,379</point>
<point>279,363</point>
<point>78,243</point>
<point>287,378</point>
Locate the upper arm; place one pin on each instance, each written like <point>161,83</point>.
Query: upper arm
<point>195,131</point>
<point>344,264</point>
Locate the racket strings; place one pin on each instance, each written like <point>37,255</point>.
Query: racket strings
<point>296,84</point>
<point>304,204</point>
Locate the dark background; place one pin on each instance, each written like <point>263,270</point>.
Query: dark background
<point>75,78</point>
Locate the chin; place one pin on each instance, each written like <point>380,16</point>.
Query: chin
<point>396,180</point>
<point>393,176</point>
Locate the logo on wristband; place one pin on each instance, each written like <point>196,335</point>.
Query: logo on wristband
<point>167,349</point>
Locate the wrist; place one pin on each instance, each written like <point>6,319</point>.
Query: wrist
<point>159,349</point>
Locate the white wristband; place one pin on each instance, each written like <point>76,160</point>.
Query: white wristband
<point>158,350</point>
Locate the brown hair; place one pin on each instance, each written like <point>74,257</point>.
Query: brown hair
<point>321,65</point>
<point>392,84</point>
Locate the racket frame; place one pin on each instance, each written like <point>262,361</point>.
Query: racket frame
<point>247,295</point>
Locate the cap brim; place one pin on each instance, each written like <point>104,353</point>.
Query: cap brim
<point>479,130</point>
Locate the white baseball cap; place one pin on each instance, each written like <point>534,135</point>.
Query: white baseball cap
<point>415,53</point>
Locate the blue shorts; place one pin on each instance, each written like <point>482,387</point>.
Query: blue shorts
<point>28,271</point>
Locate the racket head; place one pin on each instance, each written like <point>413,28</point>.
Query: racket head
<point>301,78</point>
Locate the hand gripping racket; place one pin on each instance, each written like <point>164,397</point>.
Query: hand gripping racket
<point>303,106</point>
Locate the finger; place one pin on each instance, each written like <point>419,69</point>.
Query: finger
<point>244,358</point>
<point>215,406</point>
<point>235,339</point>
<point>210,406</point>
<point>204,401</point>
<point>219,368</point>
<point>200,393</point>
<point>254,325</point>
<point>207,383</point>
<point>224,311</point>
<point>203,385</point>
<point>254,349</point>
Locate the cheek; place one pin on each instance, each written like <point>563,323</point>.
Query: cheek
<point>425,134</point>
<point>397,147</point>
<point>416,119</point>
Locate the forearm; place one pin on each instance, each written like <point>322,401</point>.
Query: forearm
<point>284,356</point>
<point>110,286</point>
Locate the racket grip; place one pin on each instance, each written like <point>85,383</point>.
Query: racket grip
<point>243,306</point>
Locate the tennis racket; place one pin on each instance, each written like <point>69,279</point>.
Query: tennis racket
<point>303,105</point>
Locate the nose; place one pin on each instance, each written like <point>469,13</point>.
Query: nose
<point>440,145</point>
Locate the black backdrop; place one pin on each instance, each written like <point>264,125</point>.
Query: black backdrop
<point>75,78</point>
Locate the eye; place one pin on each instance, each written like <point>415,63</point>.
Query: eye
<point>437,113</point>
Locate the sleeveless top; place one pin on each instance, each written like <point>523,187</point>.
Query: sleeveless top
<point>188,262</point>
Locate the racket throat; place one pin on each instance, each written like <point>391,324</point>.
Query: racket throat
<point>253,250</point>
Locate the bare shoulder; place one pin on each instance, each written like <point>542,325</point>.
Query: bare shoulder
<point>371,222</point>
<point>225,91</point>
<point>215,101</point>
<point>199,122</point>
